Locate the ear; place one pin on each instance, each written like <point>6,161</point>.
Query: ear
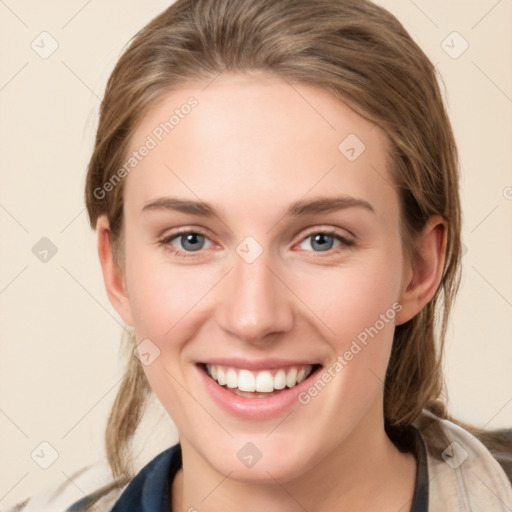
<point>422,276</point>
<point>113,275</point>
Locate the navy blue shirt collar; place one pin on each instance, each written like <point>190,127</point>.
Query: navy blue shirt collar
<point>149,490</point>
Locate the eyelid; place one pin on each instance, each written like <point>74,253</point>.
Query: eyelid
<point>166,238</point>
<point>347,242</point>
<point>170,234</point>
<point>329,230</point>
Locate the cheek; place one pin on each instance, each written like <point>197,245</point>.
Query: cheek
<point>161,294</point>
<point>164,301</point>
<point>357,320</point>
<point>348,299</point>
<point>169,302</point>
<point>356,308</point>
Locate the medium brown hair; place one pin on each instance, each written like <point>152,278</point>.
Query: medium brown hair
<point>363,55</point>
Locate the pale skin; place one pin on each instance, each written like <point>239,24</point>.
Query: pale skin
<point>250,148</point>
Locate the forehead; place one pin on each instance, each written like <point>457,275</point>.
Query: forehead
<point>257,140</point>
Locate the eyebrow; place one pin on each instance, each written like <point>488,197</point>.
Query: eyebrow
<point>297,208</point>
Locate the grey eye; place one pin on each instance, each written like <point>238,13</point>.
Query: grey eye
<point>322,241</point>
<point>192,241</point>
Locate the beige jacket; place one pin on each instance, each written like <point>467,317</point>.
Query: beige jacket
<point>468,480</point>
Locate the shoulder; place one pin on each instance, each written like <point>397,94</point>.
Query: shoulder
<point>93,488</point>
<point>466,476</point>
<point>89,486</point>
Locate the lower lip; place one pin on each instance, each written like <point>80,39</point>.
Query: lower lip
<point>255,408</point>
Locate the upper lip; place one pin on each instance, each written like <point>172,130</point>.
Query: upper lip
<point>257,364</point>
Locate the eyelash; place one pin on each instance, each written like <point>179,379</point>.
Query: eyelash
<point>166,241</point>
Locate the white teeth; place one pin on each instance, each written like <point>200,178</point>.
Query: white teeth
<point>280,380</point>
<point>221,376</point>
<point>231,379</point>
<point>263,381</point>
<point>291,378</point>
<point>246,381</point>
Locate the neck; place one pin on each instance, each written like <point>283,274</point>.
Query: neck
<point>365,472</point>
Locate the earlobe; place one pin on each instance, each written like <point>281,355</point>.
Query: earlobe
<point>112,274</point>
<point>425,272</point>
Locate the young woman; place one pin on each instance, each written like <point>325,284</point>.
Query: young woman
<point>274,186</point>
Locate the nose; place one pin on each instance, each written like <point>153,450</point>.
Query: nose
<point>255,301</point>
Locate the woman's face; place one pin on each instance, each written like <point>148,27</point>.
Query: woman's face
<point>262,284</point>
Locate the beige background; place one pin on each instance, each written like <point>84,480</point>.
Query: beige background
<point>59,369</point>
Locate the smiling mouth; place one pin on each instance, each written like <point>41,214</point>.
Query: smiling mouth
<point>258,384</point>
